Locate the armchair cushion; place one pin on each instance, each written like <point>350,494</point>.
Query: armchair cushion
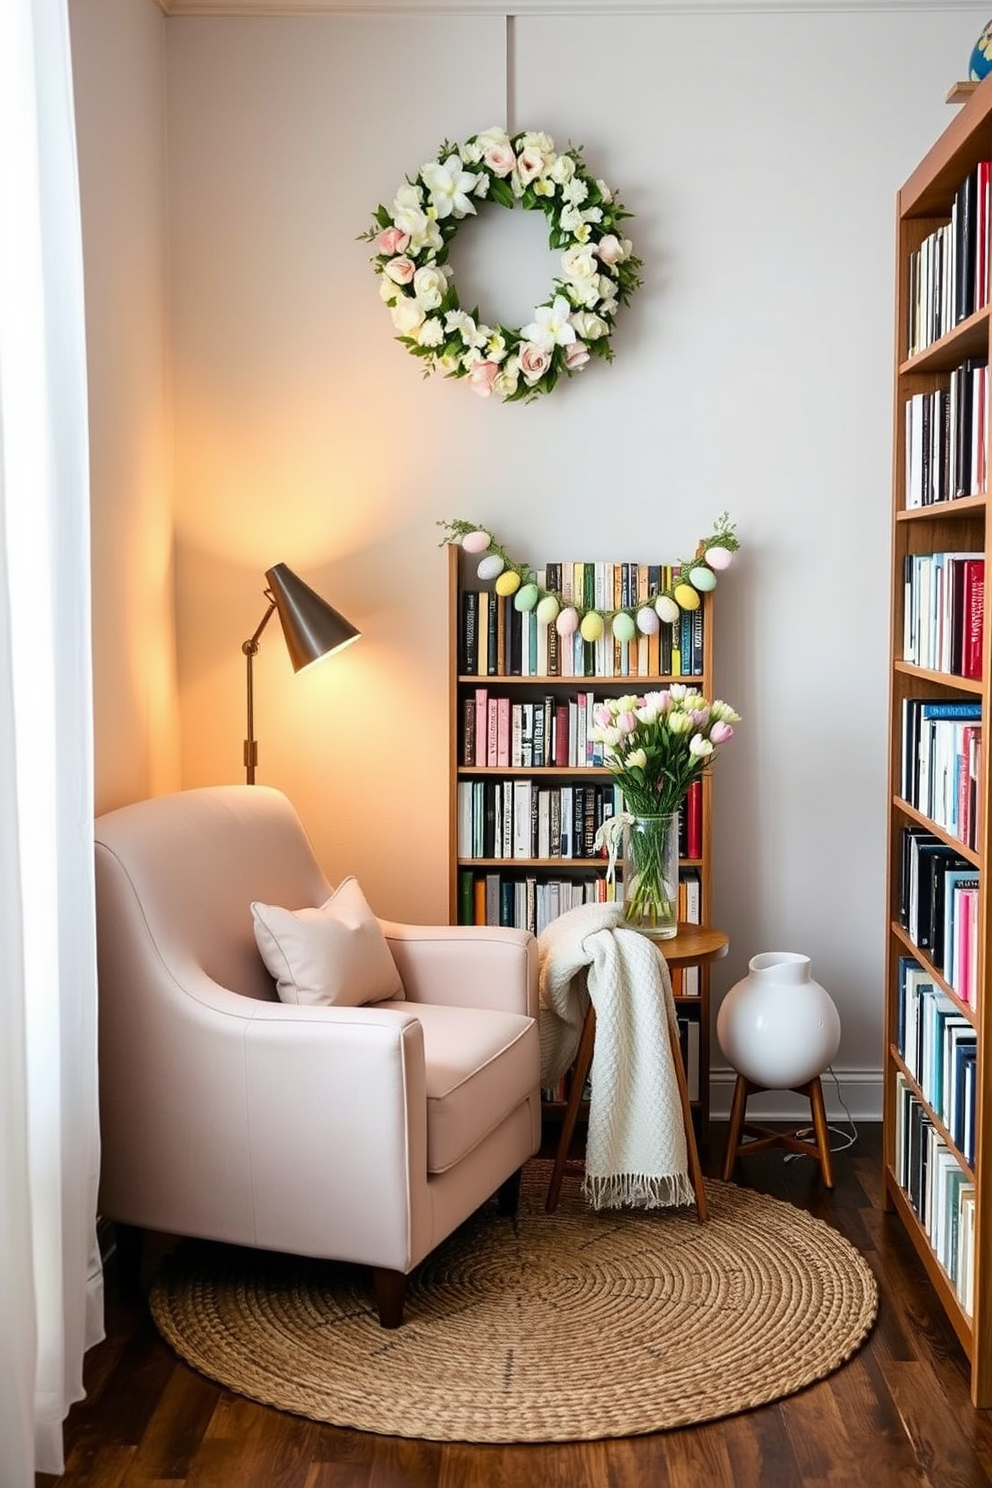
<point>335,955</point>
<point>477,1061</point>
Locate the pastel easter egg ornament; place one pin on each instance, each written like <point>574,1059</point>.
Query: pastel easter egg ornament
<point>491,567</point>
<point>623,627</point>
<point>476,542</point>
<point>508,582</point>
<point>719,558</point>
<point>686,597</point>
<point>666,609</point>
<point>647,621</point>
<point>525,598</point>
<point>592,626</point>
<point>568,621</point>
<point>547,609</point>
<point>702,578</point>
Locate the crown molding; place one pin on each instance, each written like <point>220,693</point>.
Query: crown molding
<point>555,7</point>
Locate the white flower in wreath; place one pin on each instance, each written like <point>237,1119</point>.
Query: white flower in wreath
<point>429,286</point>
<point>408,316</point>
<point>530,164</point>
<point>428,239</point>
<point>496,349</point>
<point>473,335</point>
<point>590,327</point>
<point>551,326</point>
<point>431,333</point>
<point>449,184</point>
<point>562,170</point>
<point>533,139</point>
<point>580,266</point>
<point>575,191</point>
<point>507,379</point>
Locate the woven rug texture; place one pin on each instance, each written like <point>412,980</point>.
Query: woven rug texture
<point>563,1327</point>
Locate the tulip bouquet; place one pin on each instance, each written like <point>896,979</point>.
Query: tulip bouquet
<point>658,744</point>
<point>655,745</point>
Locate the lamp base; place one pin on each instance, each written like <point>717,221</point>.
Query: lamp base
<point>765,1136</point>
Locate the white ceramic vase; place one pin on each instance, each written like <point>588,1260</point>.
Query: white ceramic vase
<point>778,1027</point>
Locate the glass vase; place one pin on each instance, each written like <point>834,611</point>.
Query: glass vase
<point>651,875</point>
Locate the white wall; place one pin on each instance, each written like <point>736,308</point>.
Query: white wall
<point>118,78</point>
<point>760,155</point>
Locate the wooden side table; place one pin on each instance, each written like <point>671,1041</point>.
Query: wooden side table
<point>694,945</point>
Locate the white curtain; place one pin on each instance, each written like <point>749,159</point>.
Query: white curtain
<point>51,1300</point>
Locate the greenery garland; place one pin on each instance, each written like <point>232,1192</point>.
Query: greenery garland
<point>599,270</point>
<point>690,579</point>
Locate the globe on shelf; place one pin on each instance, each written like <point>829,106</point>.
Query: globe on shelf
<point>981,57</point>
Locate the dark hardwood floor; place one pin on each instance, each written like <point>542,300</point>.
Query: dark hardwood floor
<point>897,1414</point>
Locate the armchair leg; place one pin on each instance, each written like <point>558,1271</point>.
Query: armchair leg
<point>508,1194</point>
<point>129,1242</point>
<point>390,1293</point>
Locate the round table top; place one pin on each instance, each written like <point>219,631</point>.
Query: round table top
<point>694,945</point>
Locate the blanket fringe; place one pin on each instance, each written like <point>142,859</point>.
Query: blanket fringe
<point>638,1191</point>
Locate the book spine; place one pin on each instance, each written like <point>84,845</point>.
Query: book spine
<point>468,656</point>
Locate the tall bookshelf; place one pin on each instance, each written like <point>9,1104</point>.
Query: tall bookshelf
<point>691,985</point>
<point>938,1123</point>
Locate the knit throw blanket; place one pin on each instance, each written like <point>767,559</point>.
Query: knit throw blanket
<point>635,1149</point>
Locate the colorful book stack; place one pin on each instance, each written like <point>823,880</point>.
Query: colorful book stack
<point>944,612</point>
<point>498,640</point>
<point>941,761</point>
<point>940,1191</point>
<point>949,272</point>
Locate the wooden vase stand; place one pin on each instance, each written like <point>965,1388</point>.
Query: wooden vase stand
<point>765,1136</point>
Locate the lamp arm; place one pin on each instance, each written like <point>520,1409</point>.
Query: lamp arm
<point>250,648</point>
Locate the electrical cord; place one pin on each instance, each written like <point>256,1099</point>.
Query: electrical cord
<point>848,1138</point>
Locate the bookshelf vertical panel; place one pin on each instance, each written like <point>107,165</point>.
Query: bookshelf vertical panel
<point>937,1148</point>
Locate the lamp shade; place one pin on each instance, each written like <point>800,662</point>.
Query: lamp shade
<point>312,628</point>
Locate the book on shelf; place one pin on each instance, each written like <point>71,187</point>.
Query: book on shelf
<point>468,653</point>
<point>689,1049</point>
<point>974,618</point>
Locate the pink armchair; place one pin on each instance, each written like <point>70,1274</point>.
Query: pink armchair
<point>363,1134</point>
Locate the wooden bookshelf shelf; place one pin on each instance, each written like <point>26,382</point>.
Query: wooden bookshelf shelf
<point>938,1123</point>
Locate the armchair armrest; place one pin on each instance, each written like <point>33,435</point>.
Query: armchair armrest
<point>466,965</point>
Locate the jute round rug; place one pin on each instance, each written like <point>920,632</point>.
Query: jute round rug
<point>559,1327</point>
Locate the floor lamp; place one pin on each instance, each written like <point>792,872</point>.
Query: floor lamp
<point>311,628</point>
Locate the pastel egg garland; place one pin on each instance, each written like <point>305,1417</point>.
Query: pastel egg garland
<point>714,555</point>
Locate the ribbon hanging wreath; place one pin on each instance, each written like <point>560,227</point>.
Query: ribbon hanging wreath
<point>599,271</point>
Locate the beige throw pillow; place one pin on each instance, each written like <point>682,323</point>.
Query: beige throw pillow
<point>335,955</point>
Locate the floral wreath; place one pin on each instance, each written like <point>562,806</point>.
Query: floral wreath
<point>599,271</point>
<point>690,579</point>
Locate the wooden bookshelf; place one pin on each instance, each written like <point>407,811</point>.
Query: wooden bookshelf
<point>922,1182</point>
<point>543,869</point>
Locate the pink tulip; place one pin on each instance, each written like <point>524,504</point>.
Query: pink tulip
<point>626,722</point>
<point>481,378</point>
<point>721,732</point>
<point>392,240</point>
<point>576,356</point>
